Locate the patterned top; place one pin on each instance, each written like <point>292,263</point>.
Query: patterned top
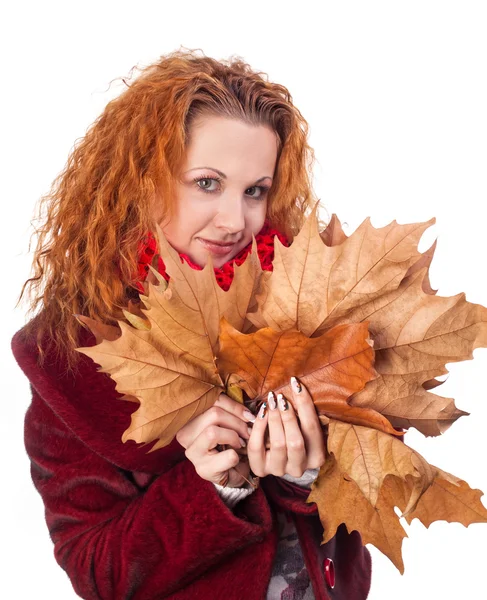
<point>290,579</point>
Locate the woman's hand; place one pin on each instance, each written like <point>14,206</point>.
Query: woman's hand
<point>293,447</point>
<point>226,422</point>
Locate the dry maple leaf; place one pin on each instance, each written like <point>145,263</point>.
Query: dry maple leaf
<point>170,367</point>
<point>339,500</point>
<point>332,366</point>
<point>313,284</point>
<point>368,473</point>
<point>368,456</point>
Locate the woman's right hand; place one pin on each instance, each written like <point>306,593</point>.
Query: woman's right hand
<point>226,422</point>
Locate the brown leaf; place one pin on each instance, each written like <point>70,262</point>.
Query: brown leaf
<point>101,331</point>
<point>333,233</point>
<point>331,366</point>
<point>449,499</point>
<point>357,321</point>
<point>368,473</point>
<point>339,500</point>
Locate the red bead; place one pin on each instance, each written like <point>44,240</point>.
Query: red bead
<point>329,569</point>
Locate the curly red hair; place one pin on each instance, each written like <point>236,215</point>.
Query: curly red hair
<point>101,205</point>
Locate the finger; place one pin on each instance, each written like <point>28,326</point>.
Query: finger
<point>235,408</point>
<point>207,441</point>
<point>296,449</point>
<point>214,467</point>
<point>256,451</point>
<point>309,423</point>
<point>217,465</point>
<point>277,455</point>
<point>216,415</point>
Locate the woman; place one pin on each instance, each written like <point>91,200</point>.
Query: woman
<point>213,153</point>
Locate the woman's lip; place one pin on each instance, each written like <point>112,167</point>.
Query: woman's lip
<point>216,248</point>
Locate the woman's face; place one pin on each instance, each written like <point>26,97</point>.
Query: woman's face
<point>233,164</point>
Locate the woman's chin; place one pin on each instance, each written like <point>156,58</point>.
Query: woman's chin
<point>218,261</point>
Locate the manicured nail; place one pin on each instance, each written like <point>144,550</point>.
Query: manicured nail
<point>242,442</point>
<point>283,405</point>
<point>249,416</point>
<point>272,400</point>
<point>262,410</point>
<point>295,385</point>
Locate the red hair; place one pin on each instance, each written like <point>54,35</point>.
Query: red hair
<point>101,204</point>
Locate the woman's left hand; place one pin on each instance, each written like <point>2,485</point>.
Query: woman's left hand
<point>294,447</point>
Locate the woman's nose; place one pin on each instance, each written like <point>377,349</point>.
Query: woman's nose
<point>230,215</point>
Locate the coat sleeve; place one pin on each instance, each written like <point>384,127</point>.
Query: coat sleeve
<point>116,540</point>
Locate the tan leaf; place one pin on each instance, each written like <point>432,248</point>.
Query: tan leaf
<point>170,368</point>
<point>234,391</point>
<point>137,321</point>
<point>424,262</point>
<point>368,456</point>
<point>313,284</point>
<point>150,367</point>
<point>201,294</point>
<point>415,335</point>
<point>407,403</point>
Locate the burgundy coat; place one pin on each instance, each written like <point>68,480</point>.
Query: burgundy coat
<point>130,525</point>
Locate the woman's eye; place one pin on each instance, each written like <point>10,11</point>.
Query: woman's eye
<point>205,188</point>
<point>262,190</point>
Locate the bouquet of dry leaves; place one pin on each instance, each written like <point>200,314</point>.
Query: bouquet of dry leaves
<point>356,320</point>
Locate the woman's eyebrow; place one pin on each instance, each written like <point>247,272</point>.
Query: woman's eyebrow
<point>223,174</point>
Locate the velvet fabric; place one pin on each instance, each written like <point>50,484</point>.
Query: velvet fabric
<point>128,524</point>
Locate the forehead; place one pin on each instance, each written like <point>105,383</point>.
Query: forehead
<point>231,145</point>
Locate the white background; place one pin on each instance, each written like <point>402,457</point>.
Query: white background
<point>395,94</point>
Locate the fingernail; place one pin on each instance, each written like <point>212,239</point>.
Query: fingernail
<point>295,385</point>
<point>243,443</point>
<point>262,410</point>
<point>249,416</point>
<point>283,405</point>
<point>272,400</point>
